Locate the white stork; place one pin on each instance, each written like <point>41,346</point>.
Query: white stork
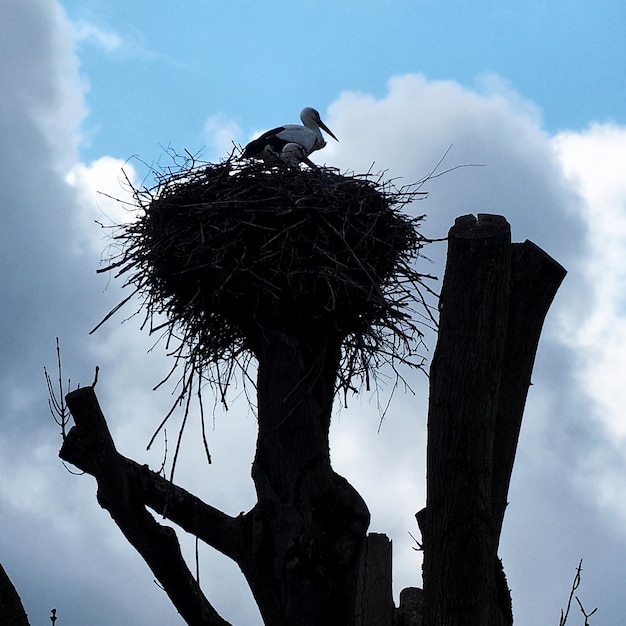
<point>291,143</point>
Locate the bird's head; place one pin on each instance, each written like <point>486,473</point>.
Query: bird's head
<point>309,116</point>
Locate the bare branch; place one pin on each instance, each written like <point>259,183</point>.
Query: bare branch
<point>124,487</point>
<point>585,614</point>
<point>57,406</point>
<point>575,585</point>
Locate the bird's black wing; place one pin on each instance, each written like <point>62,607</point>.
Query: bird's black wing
<point>270,138</point>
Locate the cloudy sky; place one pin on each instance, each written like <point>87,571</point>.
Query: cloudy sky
<point>534,91</point>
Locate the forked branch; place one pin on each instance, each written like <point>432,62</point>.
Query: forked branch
<point>575,585</point>
<point>124,488</point>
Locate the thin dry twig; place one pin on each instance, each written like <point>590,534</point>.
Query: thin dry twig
<point>584,612</point>
<point>56,403</point>
<point>575,585</point>
<point>56,399</point>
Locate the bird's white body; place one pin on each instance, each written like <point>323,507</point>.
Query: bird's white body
<point>291,143</point>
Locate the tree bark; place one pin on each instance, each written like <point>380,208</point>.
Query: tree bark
<point>535,279</point>
<point>459,577</point>
<point>494,299</point>
<point>309,523</point>
<point>375,598</point>
<point>411,608</point>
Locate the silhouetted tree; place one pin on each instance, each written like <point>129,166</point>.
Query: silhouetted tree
<point>311,273</point>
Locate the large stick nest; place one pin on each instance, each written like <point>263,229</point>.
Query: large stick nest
<point>222,252</point>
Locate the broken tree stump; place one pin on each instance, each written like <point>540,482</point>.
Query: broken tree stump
<point>494,300</point>
<point>375,599</point>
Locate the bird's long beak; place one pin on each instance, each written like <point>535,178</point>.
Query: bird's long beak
<point>324,127</point>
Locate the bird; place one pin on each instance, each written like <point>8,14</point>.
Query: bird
<point>291,143</point>
<point>293,154</point>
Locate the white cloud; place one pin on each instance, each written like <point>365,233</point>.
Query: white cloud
<point>107,40</point>
<point>117,44</point>
<point>50,93</point>
<point>407,131</point>
<point>593,161</point>
<point>497,88</point>
<point>104,192</point>
<point>221,133</point>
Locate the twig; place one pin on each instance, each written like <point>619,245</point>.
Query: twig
<point>57,406</point>
<point>575,585</point>
<point>582,610</point>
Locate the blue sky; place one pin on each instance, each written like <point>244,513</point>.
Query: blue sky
<point>533,91</point>
<point>257,63</point>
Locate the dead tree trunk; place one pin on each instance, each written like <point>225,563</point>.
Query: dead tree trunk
<point>494,299</point>
<point>309,523</point>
